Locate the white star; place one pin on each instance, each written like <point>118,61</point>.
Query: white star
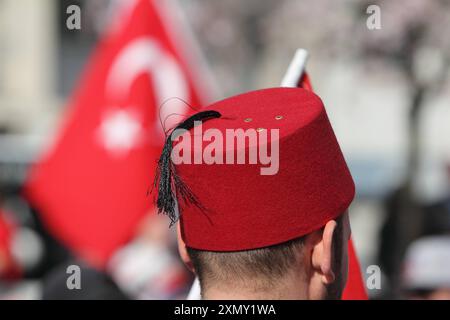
<point>120,131</point>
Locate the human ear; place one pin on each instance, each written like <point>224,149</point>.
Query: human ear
<point>322,256</point>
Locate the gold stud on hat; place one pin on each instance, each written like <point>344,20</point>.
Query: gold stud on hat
<point>278,117</point>
<point>247,119</point>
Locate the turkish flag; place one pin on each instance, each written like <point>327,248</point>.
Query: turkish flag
<point>90,186</point>
<point>354,290</point>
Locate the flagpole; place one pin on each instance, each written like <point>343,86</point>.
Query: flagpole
<point>296,69</point>
<point>291,79</point>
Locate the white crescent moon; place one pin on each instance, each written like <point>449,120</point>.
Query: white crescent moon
<point>145,55</point>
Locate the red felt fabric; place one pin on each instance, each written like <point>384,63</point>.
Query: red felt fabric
<point>247,210</point>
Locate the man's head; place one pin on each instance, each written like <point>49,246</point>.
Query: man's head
<point>311,267</point>
<point>242,222</point>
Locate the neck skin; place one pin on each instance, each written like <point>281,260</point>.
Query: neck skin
<point>284,289</point>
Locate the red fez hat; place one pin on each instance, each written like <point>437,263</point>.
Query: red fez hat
<point>233,207</point>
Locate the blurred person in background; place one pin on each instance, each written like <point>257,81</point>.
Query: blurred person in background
<point>426,273</point>
<point>148,266</point>
<point>144,268</point>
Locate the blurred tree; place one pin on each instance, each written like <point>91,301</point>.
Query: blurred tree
<point>415,44</point>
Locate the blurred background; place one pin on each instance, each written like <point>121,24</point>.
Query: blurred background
<point>386,90</point>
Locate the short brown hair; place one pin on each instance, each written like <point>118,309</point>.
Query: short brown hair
<point>267,263</point>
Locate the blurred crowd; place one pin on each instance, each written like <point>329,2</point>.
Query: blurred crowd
<point>387,92</point>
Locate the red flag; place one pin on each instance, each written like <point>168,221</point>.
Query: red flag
<point>91,186</point>
<point>9,269</point>
<point>354,290</point>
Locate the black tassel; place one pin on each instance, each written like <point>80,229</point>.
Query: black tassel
<point>169,185</point>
